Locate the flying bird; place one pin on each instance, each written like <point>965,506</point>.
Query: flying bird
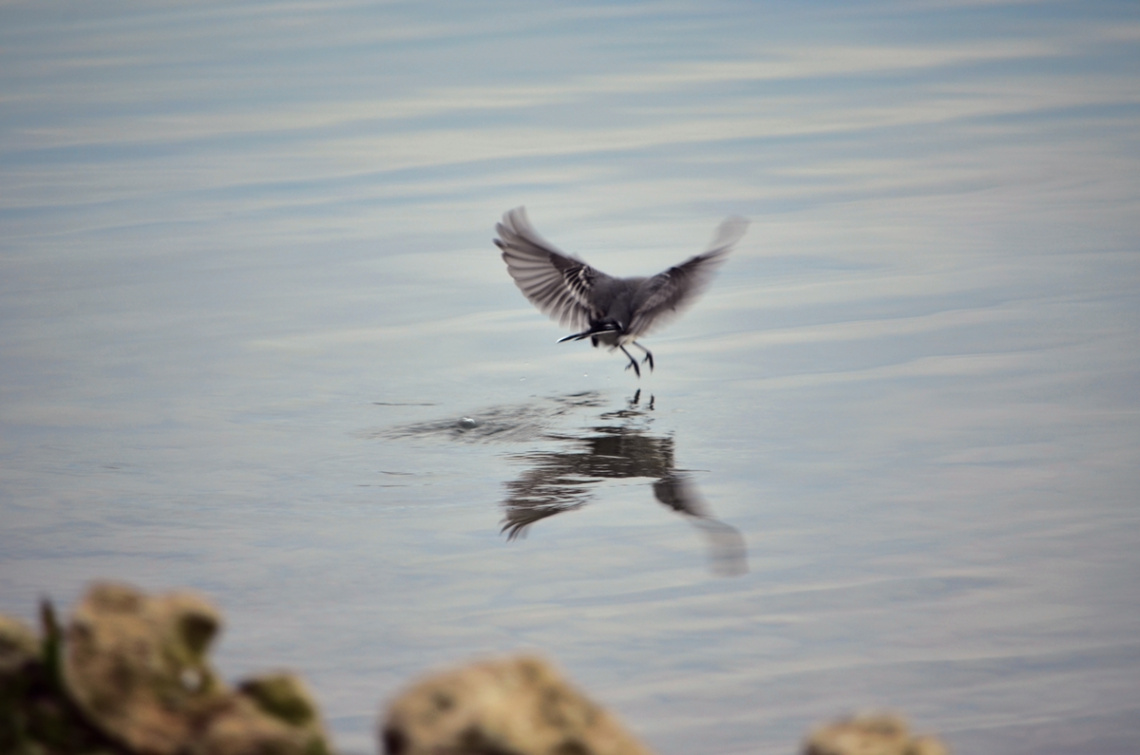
<point>609,311</point>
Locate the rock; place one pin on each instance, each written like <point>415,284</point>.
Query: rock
<point>36,717</point>
<point>877,734</point>
<point>520,706</point>
<point>271,715</point>
<point>130,676</point>
<point>136,666</point>
<point>19,655</point>
<point>284,697</point>
<point>19,645</point>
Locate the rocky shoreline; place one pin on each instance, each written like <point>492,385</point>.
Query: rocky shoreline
<point>129,674</point>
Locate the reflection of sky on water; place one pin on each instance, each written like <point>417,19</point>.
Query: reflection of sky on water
<point>238,243</point>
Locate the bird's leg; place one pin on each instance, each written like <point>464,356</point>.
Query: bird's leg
<point>648,354</point>
<point>632,361</point>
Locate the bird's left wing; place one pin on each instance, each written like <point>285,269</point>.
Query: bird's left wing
<point>664,295</point>
<point>555,282</point>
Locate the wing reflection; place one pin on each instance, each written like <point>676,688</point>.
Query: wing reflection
<point>563,480</point>
<point>727,549</point>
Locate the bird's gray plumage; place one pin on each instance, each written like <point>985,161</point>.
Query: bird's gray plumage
<point>608,310</point>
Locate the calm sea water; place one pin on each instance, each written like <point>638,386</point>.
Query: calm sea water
<point>255,340</point>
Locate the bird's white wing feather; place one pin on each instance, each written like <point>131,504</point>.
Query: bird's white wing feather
<point>555,282</point>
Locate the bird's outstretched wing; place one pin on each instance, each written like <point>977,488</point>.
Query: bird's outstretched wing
<point>666,294</point>
<point>557,283</point>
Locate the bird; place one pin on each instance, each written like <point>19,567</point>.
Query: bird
<point>610,311</point>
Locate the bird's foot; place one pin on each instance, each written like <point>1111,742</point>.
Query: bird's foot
<point>648,359</point>
<point>632,361</point>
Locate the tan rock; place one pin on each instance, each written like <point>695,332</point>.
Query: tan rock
<point>136,666</point>
<point>516,705</point>
<point>874,734</point>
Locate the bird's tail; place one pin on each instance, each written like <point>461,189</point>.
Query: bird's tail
<point>594,329</point>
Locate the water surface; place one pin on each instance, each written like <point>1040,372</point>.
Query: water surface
<point>255,340</point>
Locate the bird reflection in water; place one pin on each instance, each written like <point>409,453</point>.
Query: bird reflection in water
<point>617,446</point>
<point>563,480</point>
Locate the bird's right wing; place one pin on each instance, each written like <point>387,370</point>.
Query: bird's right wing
<point>555,282</point>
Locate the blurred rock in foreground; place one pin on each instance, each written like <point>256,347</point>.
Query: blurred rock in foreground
<point>879,734</point>
<point>516,705</point>
<point>130,675</point>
